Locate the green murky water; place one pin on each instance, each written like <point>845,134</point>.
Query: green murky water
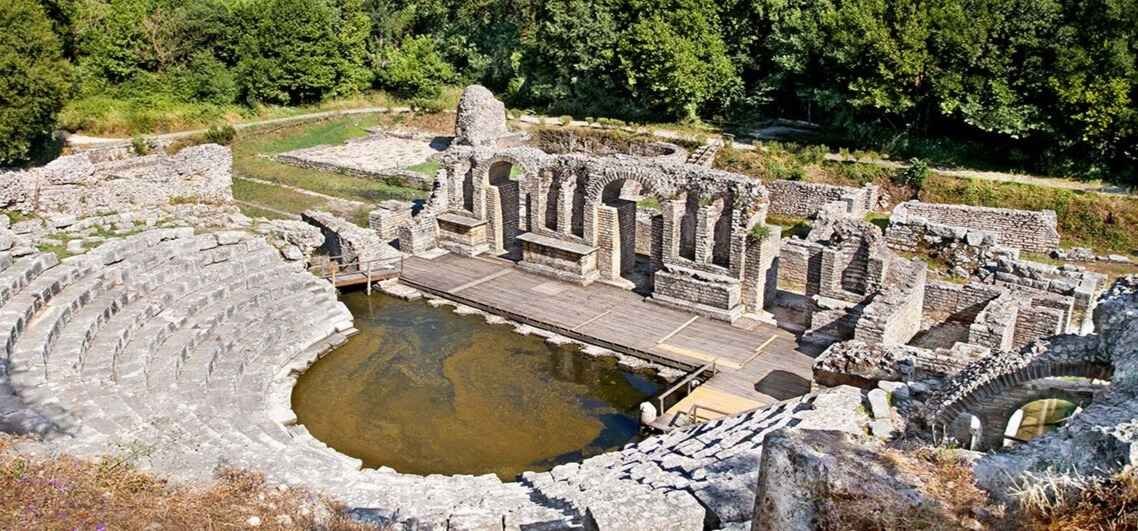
<point>424,390</point>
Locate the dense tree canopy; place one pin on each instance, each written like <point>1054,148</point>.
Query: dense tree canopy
<point>33,78</point>
<point>1054,81</point>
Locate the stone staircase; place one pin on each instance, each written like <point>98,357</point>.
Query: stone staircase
<point>179,351</point>
<point>704,155</point>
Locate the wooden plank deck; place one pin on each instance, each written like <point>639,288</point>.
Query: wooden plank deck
<point>757,366</point>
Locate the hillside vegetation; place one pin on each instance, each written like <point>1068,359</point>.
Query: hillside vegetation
<point>1047,86</point>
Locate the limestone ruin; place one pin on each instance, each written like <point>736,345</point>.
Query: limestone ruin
<point>175,321</point>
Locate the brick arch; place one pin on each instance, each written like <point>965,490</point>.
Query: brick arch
<point>596,184</point>
<point>989,387</point>
<point>531,167</point>
<point>995,411</point>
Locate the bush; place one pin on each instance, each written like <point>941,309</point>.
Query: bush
<point>914,175</point>
<point>415,70</point>
<point>206,79</point>
<point>566,120</point>
<point>34,80</point>
<point>221,134</point>
<point>139,146</point>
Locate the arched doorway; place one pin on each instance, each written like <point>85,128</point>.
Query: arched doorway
<point>505,210</point>
<point>628,226</point>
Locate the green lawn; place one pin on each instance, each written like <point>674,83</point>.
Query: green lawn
<point>251,158</point>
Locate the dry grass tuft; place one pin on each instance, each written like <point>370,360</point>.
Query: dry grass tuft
<point>1055,502</point>
<point>68,493</point>
<point>941,494</point>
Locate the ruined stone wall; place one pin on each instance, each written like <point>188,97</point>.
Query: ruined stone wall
<point>387,219</point>
<point>863,364</point>
<point>804,200</point>
<point>1028,230</point>
<point>716,299</point>
<point>893,317</point>
<point>348,241</point>
<point>760,280</point>
<point>994,327</point>
<point>1041,317</point>
<point>959,302</point>
<point>76,186</point>
<point>799,266</point>
<point>419,235</point>
<point>1083,287</point>
<point>644,235</point>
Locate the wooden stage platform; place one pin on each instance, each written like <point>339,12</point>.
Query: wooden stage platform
<point>757,363</point>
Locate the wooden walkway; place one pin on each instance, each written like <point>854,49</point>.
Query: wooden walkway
<point>758,363</point>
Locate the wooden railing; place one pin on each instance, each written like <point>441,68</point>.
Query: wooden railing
<point>694,416</point>
<point>335,268</point>
<point>687,382</point>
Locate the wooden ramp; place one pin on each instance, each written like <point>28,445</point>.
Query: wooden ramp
<point>707,403</point>
<point>761,364</point>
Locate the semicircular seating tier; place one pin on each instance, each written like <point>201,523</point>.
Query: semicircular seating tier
<point>180,350</point>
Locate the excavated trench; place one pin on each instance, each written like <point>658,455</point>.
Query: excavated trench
<point>426,391</point>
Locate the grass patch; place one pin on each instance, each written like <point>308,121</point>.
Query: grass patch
<point>1107,224</point>
<point>651,202</point>
<point>251,159</point>
<point>68,493</point>
<point>258,212</point>
<point>109,115</point>
<point>791,226</point>
<point>879,219</point>
<point>1065,502</point>
<point>275,196</point>
<point>428,168</point>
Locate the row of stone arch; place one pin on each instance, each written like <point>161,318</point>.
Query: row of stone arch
<point>562,196</point>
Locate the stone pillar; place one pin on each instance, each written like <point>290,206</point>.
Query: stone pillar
<point>608,242</point>
<point>565,207</point>
<point>705,233</point>
<point>760,270</point>
<point>494,218</point>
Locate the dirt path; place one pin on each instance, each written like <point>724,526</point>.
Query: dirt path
<point>80,141</point>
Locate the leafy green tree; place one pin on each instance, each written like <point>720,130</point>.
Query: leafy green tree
<point>206,79</point>
<point>414,69</point>
<point>33,79</point>
<point>291,53</point>
<point>570,58</point>
<point>675,57</point>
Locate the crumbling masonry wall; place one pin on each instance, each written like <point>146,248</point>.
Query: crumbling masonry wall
<point>77,186</point>
<point>804,200</point>
<point>1028,230</point>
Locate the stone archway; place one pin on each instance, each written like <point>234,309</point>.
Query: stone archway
<point>994,413</point>
<point>505,202</point>
<point>994,387</point>
<point>629,242</point>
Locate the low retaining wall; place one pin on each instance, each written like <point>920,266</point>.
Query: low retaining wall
<point>804,200</point>
<point>1028,230</point>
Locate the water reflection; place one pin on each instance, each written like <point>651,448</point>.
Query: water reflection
<point>424,390</point>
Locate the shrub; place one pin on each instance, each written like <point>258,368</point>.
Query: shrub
<point>206,79</point>
<point>139,146</point>
<point>35,80</point>
<point>914,175</point>
<point>221,134</point>
<point>414,69</point>
<point>566,120</point>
